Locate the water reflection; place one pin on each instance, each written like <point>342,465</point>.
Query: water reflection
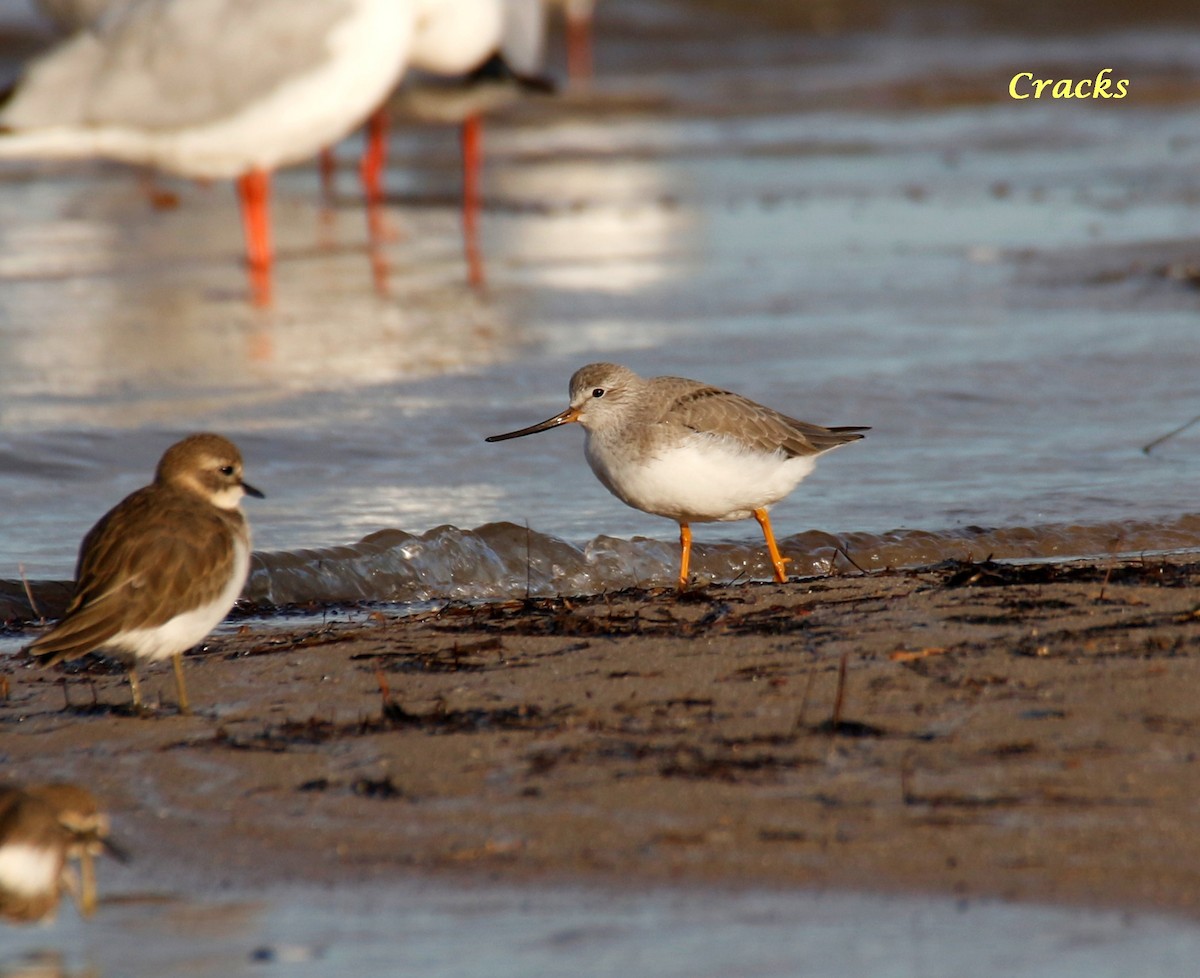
<point>123,345</point>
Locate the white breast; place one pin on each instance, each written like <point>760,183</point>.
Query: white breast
<point>28,870</point>
<point>702,479</point>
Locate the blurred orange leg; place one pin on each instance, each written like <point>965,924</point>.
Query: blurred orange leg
<point>472,152</point>
<point>254,192</point>
<point>327,167</point>
<point>579,47</point>
<point>374,159</point>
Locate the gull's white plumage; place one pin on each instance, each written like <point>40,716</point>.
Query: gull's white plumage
<point>211,88</point>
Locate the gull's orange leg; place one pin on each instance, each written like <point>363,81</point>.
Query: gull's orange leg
<point>777,560</point>
<point>327,167</point>
<point>374,158</point>
<point>579,47</point>
<point>254,191</point>
<point>371,170</point>
<point>685,544</point>
<point>472,155</point>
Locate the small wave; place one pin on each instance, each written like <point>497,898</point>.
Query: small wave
<point>502,560</point>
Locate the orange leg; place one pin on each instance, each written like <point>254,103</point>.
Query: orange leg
<point>685,558</point>
<point>777,560</point>
<point>579,47</point>
<point>371,170</point>
<point>327,167</point>
<point>472,153</point>
<point>374,159</point>
<point>254,191</point>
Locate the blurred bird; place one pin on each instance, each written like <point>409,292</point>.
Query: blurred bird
<point>163,567</point>
<point>213,89</point>
<point>470,57</point>
<point>69,16</point>
<point>42,827</point>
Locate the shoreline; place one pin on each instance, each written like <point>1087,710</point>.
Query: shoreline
<point>502,560</point>
<point>1013,731</point>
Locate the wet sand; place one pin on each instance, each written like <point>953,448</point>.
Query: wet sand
<point>1023,732</point>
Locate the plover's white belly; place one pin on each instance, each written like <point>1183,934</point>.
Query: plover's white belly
<point>29,870</point>
<point>184,630</point>
<point>702,479</point>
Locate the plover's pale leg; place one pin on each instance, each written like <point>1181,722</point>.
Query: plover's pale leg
<point>180,686</point>
<point>87,883</point>
<point>135,689</point>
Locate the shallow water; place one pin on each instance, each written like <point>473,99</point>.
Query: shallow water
<point>439,929</point>
<point>857,229</point>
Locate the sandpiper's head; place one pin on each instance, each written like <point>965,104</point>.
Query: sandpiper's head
<point>599,394</point>
<point>208,465</point>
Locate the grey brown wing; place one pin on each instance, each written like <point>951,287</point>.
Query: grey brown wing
<point>710,409</point>
<point>134,572</point>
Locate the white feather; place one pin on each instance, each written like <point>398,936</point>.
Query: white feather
<point>704,479</point>
<point>29,870</point>
<point>454,37</point>
<point>314,107</point>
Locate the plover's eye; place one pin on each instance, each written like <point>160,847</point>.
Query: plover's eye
<point>598,392</point>
<point>226,470</point>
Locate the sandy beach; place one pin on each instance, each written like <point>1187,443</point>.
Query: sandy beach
<point>976,729</point>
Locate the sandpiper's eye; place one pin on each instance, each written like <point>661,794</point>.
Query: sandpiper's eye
<point>226,470</point>
<point>598,392</point>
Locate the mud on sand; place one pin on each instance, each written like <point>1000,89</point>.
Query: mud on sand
<point>1027,732</point>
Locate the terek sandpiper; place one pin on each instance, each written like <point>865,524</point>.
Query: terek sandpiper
<point>688,451</point>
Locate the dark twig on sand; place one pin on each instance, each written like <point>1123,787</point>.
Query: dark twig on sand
<point>1148,448</point>
<point>839,698</point>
